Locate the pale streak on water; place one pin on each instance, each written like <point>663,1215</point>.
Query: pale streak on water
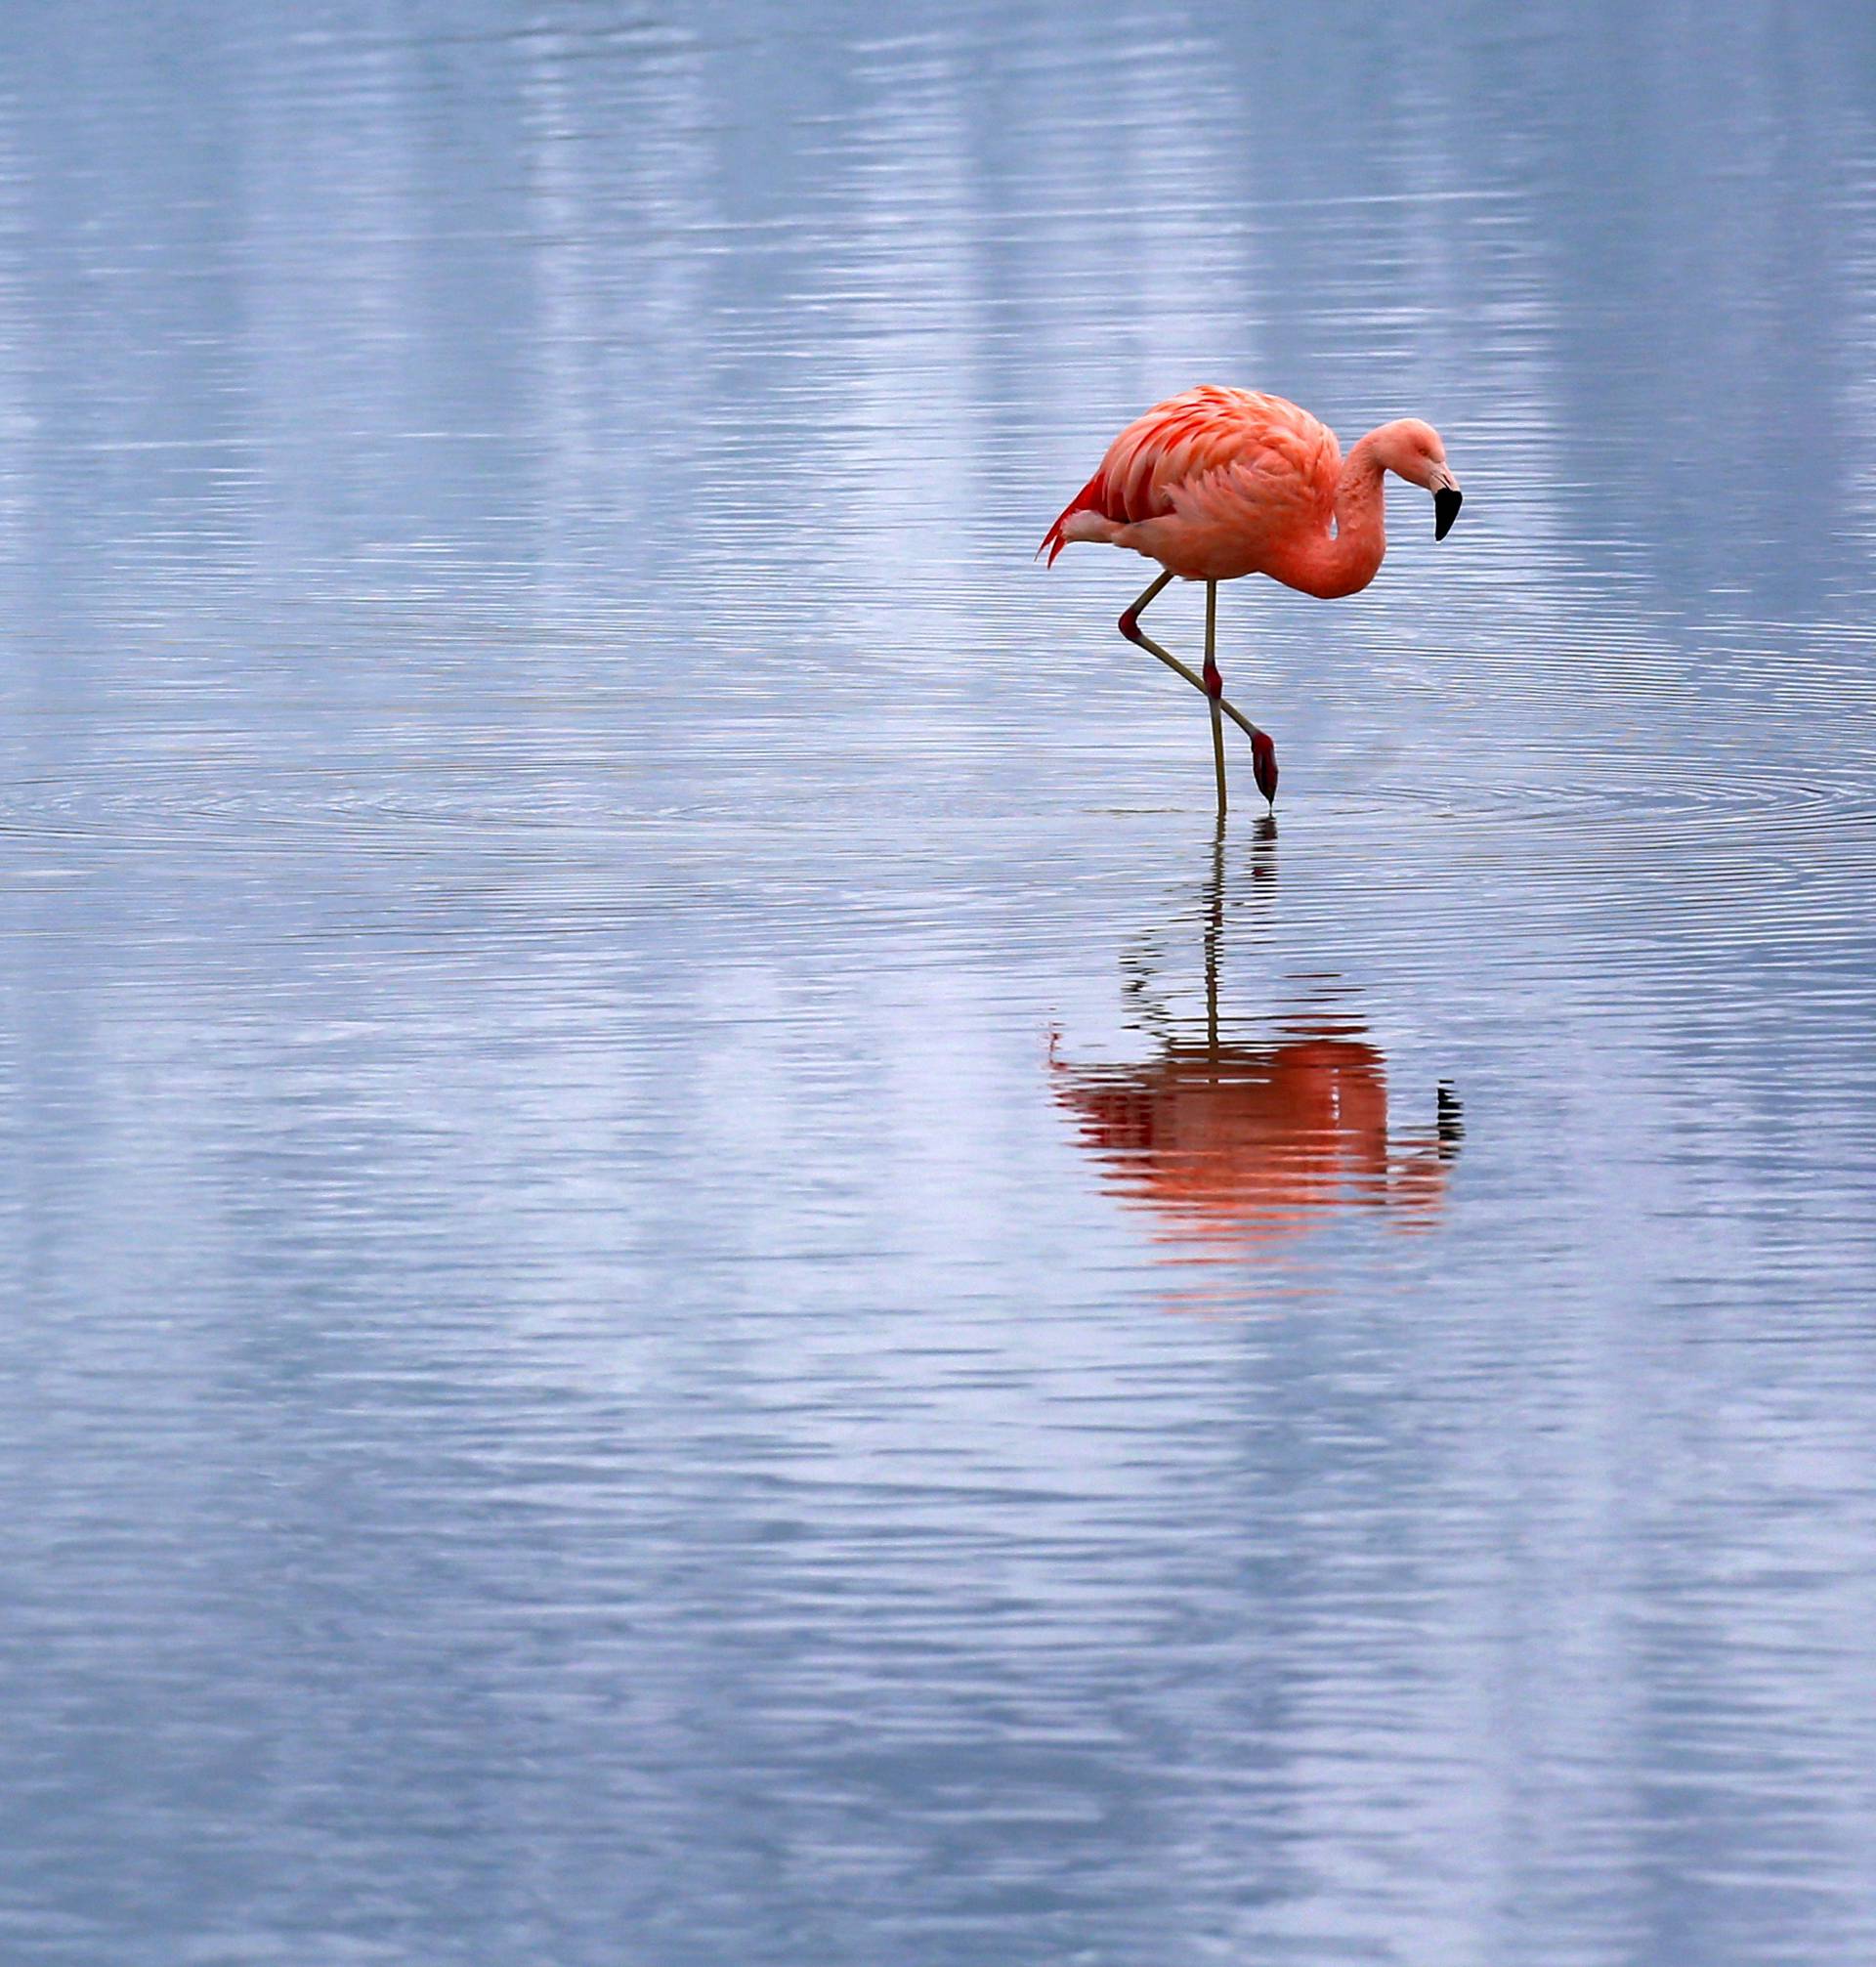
<point>685,1281</point>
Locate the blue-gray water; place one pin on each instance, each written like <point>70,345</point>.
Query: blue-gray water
<point>686,1277</point>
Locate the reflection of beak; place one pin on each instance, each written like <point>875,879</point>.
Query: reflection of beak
<point>1446,504</point>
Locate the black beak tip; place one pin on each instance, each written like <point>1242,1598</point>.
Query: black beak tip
<point>1446,504</point>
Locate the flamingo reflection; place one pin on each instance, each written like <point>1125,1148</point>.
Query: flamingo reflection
<point>1234,1146</point>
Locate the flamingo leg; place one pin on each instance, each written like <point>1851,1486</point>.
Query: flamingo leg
<point>1263,752</point>
<point>1215,687</point>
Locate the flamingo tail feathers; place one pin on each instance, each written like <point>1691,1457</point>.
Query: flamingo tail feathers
<point>1092,497</point>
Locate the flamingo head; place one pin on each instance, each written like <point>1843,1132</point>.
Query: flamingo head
<point>1412,451</point>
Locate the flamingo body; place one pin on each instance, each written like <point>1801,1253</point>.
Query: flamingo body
<point>1213,484</point>
<point>1216,484</point>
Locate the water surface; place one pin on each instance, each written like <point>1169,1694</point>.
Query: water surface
<point>692,1275</point>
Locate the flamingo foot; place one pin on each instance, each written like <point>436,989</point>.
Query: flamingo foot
<point>1263,762</point>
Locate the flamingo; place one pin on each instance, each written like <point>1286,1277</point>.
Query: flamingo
<point>1217,482</point>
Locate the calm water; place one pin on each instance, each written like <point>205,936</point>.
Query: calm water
<point>689,1276</point>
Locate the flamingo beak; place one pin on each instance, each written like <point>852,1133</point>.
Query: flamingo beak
<point>1446,504</point>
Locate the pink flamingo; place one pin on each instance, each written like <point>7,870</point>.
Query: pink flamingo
<point>1220,482</point>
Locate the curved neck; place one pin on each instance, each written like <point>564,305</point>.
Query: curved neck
<point>1346,561</point>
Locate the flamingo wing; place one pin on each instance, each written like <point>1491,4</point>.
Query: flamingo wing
<point>1273,463</point>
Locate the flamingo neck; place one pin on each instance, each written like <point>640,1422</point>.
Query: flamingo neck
<point>1344,561</point>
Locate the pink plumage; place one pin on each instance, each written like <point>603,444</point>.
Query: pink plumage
<point>1211,453</point>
